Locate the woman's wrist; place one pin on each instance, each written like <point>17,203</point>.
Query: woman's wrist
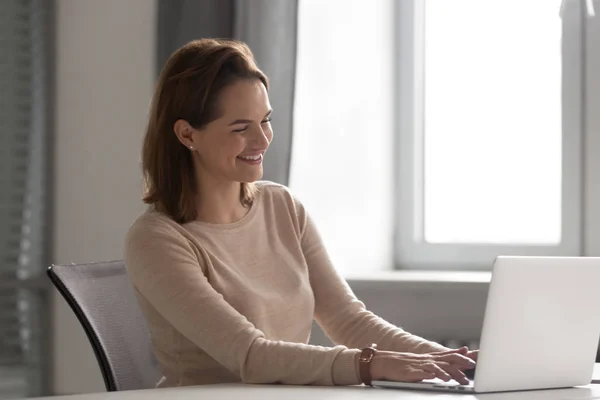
<point>365,360</point>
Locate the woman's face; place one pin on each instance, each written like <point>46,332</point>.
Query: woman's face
<point>232,147</point>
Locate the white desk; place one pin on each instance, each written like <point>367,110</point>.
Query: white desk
<point>281,392</point>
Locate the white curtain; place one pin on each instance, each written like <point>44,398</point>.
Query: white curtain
<point>342,153</point>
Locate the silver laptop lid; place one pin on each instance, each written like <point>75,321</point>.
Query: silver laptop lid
<point>542,324</point>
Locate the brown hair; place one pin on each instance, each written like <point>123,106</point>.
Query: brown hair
<point>188,88</point>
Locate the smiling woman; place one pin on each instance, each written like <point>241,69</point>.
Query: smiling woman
<point>186,102</point>
<point>230,272</point>
<point>227,149</point>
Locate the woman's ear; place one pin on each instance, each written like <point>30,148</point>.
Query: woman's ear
<point>184,132</point>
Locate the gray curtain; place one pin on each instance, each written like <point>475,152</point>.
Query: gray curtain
<point>269,27</point>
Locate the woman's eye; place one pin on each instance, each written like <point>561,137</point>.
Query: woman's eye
<point>266,121</point>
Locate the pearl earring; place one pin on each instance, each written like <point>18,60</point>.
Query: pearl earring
<point>191,147</point>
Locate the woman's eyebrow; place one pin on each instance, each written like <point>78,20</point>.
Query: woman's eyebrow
<point>247,121</point>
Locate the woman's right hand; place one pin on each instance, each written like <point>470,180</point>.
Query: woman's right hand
<point>410,367</point>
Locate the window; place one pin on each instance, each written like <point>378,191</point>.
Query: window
<point>437,135</point>
<point>490,131</point>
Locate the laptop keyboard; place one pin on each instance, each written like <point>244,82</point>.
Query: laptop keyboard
<point>450,384</point>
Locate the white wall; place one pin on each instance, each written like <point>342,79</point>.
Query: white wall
<point>105,76</point>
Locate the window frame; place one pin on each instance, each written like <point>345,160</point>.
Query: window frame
<point>591,175</point>
<point>411,251</point>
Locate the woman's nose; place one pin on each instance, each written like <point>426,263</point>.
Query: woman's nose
<point>261,137</point>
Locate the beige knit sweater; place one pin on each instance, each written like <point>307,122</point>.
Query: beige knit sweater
<point>236,302</point>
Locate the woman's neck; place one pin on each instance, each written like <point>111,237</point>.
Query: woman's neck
<point>219,202</point>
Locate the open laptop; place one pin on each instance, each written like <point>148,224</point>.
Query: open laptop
<point>541,327</point>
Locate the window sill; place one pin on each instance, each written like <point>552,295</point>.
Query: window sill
<point>413,279</point>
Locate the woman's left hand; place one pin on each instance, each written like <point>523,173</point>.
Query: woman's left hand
<point>472,354</point>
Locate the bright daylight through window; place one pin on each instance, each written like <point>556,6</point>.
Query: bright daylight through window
<point>439,134</point>
<point>492,122</point>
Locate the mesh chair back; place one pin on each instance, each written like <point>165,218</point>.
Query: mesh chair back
<point>103,300</point>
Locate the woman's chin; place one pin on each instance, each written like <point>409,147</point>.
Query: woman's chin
<point>250,177</point>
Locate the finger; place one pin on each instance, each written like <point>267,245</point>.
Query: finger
<point>437,370</point>
<point>457,359</point>
<point>416,375</point>
<point>454,372</point>
<point>473,354</point>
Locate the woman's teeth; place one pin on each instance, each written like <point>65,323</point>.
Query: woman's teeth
<point>251,158</point>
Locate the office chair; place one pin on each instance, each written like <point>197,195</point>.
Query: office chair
<point>103,300</point>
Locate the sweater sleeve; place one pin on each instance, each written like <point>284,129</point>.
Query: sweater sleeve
<point>342,316</point>
<point>167,272</point>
